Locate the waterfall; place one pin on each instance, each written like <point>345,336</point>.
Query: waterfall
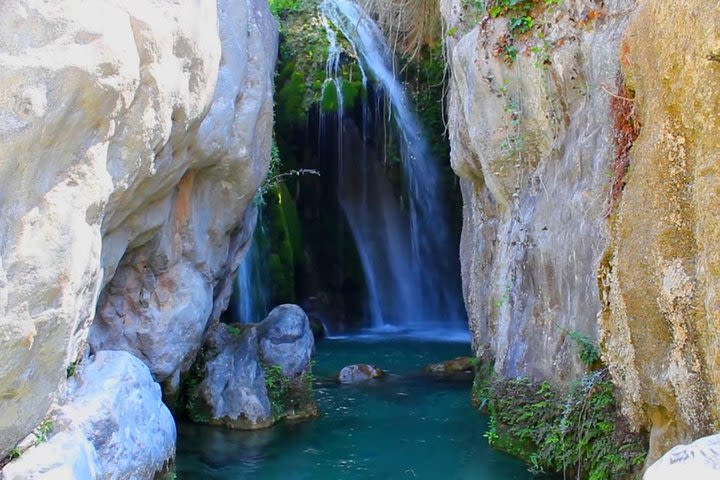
<point>251,286</point>
<point>408,257</point>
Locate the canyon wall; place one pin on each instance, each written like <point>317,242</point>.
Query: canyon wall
<point>133,137</point>
<point>574,224</point>
<point>660,328</point>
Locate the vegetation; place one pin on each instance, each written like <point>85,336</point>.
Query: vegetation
<point>577,431</point>
<point>71,369</point>
<point>413,24</point>
<point>522,17</point>
<point>43,431</point>
<point>289,397</point>
<point>190,399</point>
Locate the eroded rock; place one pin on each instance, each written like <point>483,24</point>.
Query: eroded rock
<point>133,137</point>
<point>360,373</point>
<point>112,424</point>
<point>251,376</point>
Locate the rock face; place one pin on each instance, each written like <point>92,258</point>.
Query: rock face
<point>533,143</point>
<point>661,278</point>
<point>111,425</point>
<point>700,459</point>
<point>133,137</point>
<point>543,129</point>
<point>359,373</point>
<point>252,376</point>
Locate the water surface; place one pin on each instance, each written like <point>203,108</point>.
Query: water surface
<point>404,427</point>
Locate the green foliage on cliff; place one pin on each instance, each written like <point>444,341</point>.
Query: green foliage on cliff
<point>523,16</point>
<point>300,81</point>
<point>280,7</point>
<point>577,431</point>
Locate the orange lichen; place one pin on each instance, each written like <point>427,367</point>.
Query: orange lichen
<point>626,128</point>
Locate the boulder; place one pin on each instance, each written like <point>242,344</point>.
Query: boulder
<point>359,373</point>
<point>112,425</point>
<point>456,366</point>
<point>286,339</point>
<point>252,376</point>
<point>698,460</point>
<point>66,456</point>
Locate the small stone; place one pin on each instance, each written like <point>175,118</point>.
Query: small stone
<point>459,365</point>
<point>360,373</point>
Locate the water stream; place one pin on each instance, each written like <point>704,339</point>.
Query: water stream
<point>408,257</point>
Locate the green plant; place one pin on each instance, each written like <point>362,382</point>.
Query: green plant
<point>71,369</point>
<point>587,349</point>
<point>15,453</point>
<point>234,330</point>
<point>190,398</point>
<point>280,6</point>
<point>278,389</point>
<point>577,431</point>
<point>43,431</point>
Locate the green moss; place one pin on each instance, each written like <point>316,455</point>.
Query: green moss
<point>329,99</point>
<point>281,258</point>
<point>291,98</point>
<point>292,223</point>
<point>290,398</point>
<point>578,430</point>
<point>352,92</point>
<point>191,402</point>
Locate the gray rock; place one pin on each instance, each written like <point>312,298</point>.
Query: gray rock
<point>112,425</point>
<point>233,392</point>
<point>698,460</point>
<point>231,377</point>
<point>286,339</point>
<point>359,373</point>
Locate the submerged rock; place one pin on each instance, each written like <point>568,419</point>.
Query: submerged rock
<point>698,460</point>
<point>111,425</point>
<point>252,376</point>
<point>360,373</point>
<point>456,366</point>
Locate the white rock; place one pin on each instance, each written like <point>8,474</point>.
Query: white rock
<point>133,136</point>
<point>114,426</point>
<point>66,456</point>
<point>700,460</point>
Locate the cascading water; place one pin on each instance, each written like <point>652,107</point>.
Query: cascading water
<point>251,292</point>
<point>408,258</point>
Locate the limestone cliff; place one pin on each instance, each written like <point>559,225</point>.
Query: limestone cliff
<point>532,141</point>
<point>133,136</point>
<point>660,328</point>
<point>544,119</point>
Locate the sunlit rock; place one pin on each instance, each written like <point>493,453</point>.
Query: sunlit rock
<point>112,424</point>
<point>699,460</point>
<point>133,137</point>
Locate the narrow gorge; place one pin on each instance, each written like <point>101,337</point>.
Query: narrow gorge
<point>359,239</point>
